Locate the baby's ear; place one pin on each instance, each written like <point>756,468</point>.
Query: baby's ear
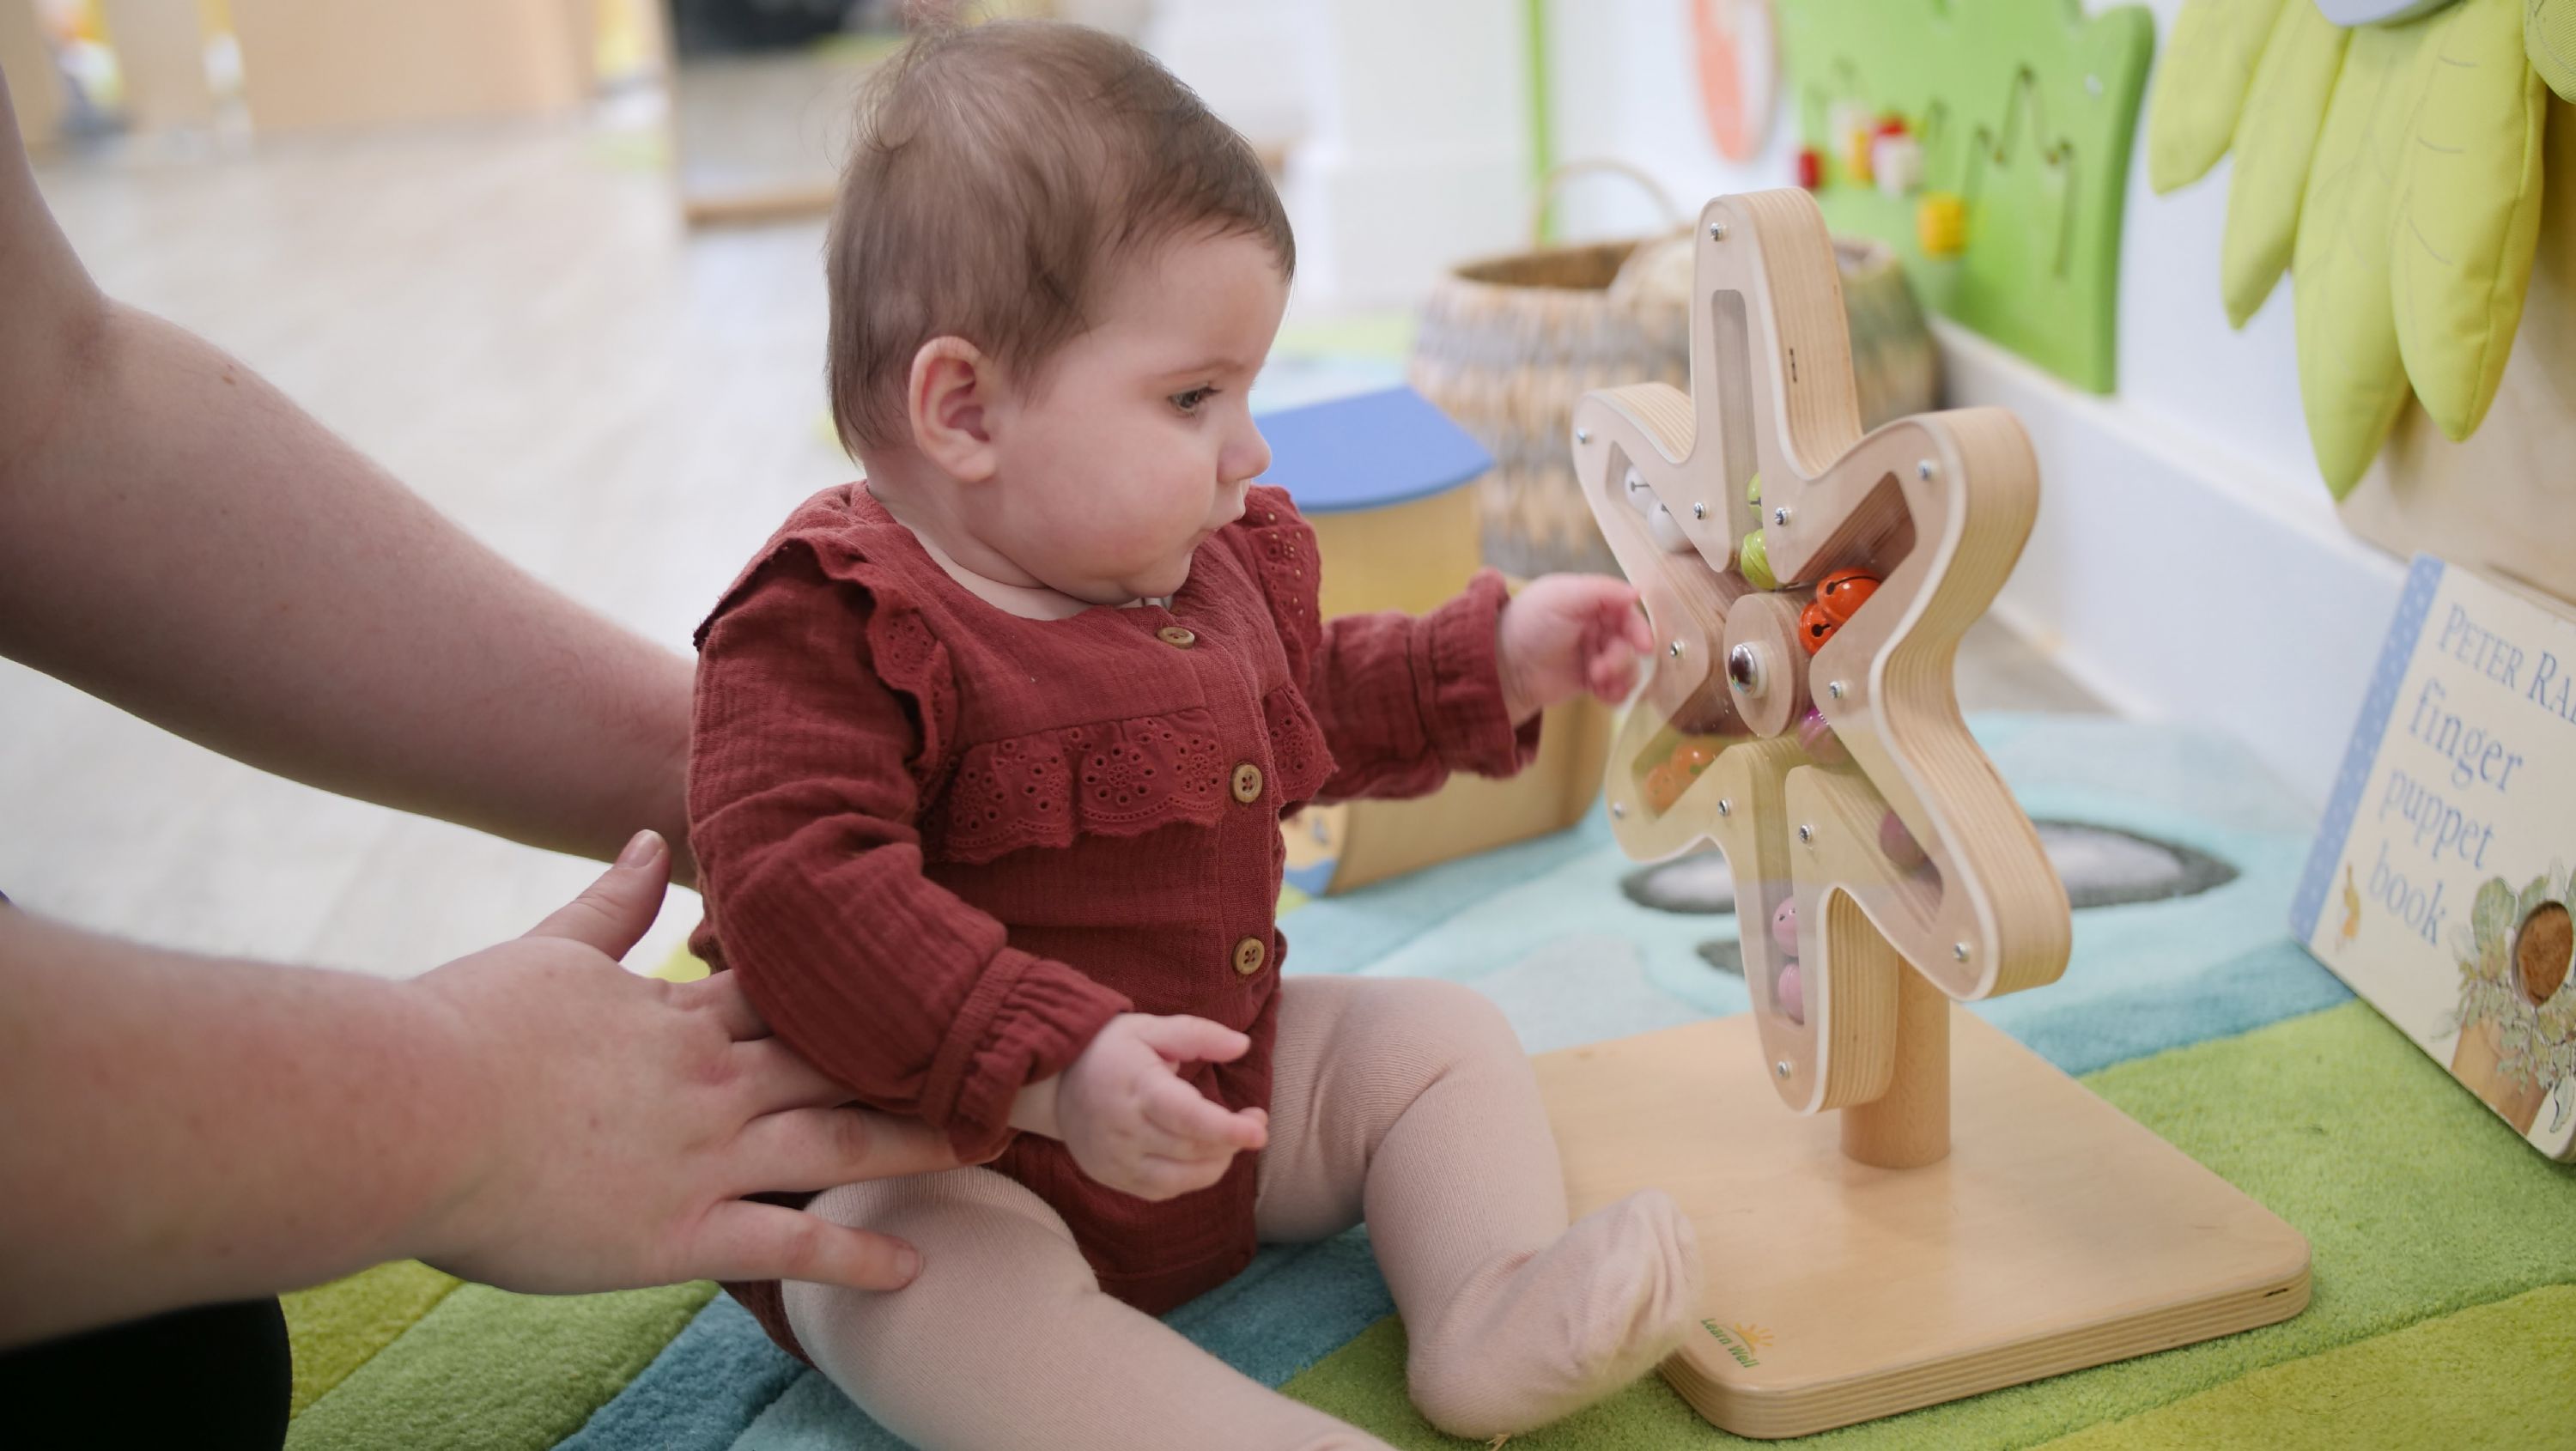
<point>949,398</point>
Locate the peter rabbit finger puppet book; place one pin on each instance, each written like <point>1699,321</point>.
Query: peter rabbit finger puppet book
<point>2440,883</point>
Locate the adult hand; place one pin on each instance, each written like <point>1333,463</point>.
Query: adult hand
<point>623,1118</point>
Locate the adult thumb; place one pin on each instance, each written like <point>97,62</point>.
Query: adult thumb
<point>612,913</point>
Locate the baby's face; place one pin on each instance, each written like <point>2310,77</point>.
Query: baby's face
<point>1139,442</point>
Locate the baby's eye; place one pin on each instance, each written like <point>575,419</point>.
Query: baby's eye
<point>1189,401</point>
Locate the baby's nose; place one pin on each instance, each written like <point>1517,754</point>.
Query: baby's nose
<point>1246,459</point>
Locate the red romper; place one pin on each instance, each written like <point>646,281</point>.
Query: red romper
<point>943,845</point>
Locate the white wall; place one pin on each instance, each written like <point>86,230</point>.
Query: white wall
<point>2188,564</point>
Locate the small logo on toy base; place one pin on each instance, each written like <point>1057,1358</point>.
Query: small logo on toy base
<point>1740,1341</point>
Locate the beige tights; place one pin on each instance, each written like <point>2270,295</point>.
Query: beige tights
<point>1409,1100</point>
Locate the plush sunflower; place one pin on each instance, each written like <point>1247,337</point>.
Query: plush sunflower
<point>2393,169</point>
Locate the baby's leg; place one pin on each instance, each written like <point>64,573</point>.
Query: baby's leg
<point>1006,1340</point>
<point>1412,1100</point>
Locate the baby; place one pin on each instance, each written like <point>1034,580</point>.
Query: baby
<point>991,753</point>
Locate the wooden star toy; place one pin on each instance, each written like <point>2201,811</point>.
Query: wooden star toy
<point>1808,585</point>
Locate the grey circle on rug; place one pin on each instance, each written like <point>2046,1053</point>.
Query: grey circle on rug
<point>2102,866</point>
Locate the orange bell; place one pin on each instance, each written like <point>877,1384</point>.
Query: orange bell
<point>1816,625</point>
<point>1844,591</point>
<point>1664,786</point>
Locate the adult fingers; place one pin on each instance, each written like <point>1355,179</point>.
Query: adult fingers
<point>775,1076</point>
<point>1192,1040</point>
<point>613,912</point>
<point>820,1148</point>
<point>741,1240</point>
<point>721,994</point>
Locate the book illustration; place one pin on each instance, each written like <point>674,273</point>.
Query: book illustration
<point>2516,1017</point>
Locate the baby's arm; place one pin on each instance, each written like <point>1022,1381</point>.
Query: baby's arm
<point>893,986</point>
<point>1405,700</point>
<point>803,810</point>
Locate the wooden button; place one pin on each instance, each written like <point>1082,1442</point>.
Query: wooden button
<point>1247,783</point>
<point>1249,954</point>
<point>1176,637</point>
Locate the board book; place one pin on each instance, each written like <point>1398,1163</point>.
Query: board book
<point>2440,886</point>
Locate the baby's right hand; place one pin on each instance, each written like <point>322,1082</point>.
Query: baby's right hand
<point>1131,1121</point>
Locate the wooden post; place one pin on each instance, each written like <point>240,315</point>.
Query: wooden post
<point>1909,1125</point>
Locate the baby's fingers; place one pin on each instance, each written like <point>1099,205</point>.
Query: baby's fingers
<point>1178,1109</point>
<point>1192,1040</point>
<point>1626,623</point>
<point>1159,1177</point>
<point>1612,675</point>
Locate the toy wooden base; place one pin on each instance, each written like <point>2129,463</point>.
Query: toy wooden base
<point>2057,1234</point>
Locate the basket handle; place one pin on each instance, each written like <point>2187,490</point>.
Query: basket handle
<point>1558,175</point>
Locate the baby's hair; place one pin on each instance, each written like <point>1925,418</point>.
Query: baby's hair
<point>1000,171</point>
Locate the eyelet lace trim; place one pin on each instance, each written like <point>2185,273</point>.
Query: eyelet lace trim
<point>1118,778</point>
<point>1284,557</point>
<point>1300,762</point>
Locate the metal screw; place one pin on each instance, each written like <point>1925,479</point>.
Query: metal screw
<point>1618,812</point>
<point>1780,516</point>
<point>1699,511</point>
<point>1959,950</point>
<point>1583,435</point>
<point>1834,689</point>
<point>1926,469</point>
<point>1781,1068</point>
<point>1717,231</point>
<point>1674,649</point>
<point>1807,835</point>
<point>1725,807</point>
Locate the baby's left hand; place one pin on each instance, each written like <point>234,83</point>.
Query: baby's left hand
<point>1567,633</point>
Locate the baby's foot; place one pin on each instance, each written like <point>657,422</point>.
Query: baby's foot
<point>1542,1335</point>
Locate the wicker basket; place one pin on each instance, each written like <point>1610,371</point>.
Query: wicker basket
<point>1505,347</point>
<point>1897,369</point>
<point>1507,344</point>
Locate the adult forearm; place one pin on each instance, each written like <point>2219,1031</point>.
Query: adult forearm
<point>178,538</point>
<point>184,1129</point>
<point>182,541</point>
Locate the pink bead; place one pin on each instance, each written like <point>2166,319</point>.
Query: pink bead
<point>1791,994</point>
<point>1899,844</point>
<point>1820,741</point>
<point>1784,928</point>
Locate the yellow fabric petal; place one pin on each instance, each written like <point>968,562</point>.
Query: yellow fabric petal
<point>2468,212</point>
<point>2200,86</point>
<point>2276,138</point>
<point>2549,39</point>
<point>2351,381</point>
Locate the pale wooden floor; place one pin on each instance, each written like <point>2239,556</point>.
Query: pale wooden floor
<point>512,320</point>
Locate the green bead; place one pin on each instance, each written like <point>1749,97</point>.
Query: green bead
<point>1753,492</point>
<point>1753,561</point>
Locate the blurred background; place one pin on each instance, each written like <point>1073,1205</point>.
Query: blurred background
<point>556,264</point>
